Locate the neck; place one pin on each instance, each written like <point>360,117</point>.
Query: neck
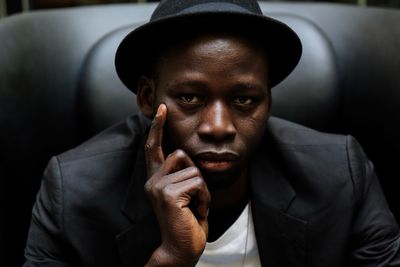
<point>226,206</point>
<point>227,197</point>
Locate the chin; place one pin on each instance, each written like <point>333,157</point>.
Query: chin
<point>217,181</point>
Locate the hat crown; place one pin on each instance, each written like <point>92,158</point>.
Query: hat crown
<point>172,7</point>
<point>178,17</point>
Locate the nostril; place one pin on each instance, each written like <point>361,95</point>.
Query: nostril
<point>217,123</point>
<point>217,131</point>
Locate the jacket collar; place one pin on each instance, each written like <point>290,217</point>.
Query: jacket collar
<point>269,183</point>
<point>137,243</point>
<point>136,205</point>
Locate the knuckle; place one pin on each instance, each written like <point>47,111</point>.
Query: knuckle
<point>154,122</point>
<point>159,192</point>
<point>148,186</point>
<point>194,170</point>
<point>158,187</point>
<point>168,192</point>
<point>180,154</point>
<point>149,146</point>
<point>199,181</point>
<point>152,187</point>
<point>208,198</point>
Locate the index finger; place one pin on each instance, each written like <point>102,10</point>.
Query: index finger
<point>153,148</point>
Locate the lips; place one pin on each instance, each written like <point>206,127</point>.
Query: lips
<point>216,161</point>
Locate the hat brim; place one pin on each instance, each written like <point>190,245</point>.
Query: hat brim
<point>282,45</point>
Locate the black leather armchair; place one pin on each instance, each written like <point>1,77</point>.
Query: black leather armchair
<point>58,87</point>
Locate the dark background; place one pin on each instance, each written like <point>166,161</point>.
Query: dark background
<point>15,6</point>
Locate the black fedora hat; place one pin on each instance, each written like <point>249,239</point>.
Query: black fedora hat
<point>180,17</point>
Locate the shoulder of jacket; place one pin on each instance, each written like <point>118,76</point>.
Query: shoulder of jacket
<point>124,137</point>
<point>289,134</point>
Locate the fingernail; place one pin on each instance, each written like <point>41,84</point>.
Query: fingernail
<point>158,111</point>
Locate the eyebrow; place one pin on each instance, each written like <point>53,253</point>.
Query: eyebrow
<point>247,86</point>
<point>196,84</point>
<point>199,85</point>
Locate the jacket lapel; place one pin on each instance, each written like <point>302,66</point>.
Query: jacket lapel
<point>281,238</point>
<point>137,243</point>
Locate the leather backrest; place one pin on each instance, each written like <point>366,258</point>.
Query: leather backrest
<point>365,44</point>
<point>41,58</point>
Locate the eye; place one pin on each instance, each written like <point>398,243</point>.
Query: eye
<point>242,100</point>
<point>189,99</point>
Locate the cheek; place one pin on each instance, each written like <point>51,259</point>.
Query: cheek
<point>180,127</point>
<point>252,128</point>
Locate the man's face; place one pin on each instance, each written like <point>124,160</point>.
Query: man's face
<point>216,92</point>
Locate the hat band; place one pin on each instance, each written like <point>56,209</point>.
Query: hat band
<point>215,7</point>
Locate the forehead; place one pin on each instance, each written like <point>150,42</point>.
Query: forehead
<point>226,51</point>
<point>215,62</point>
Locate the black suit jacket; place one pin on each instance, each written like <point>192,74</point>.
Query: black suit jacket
<point>315,200</point>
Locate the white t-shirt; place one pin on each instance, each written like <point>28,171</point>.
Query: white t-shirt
<point>236,247</point>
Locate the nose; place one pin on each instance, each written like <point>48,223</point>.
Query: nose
<point>216,123</point>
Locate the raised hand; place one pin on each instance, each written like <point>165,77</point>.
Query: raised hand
<point>180,200</point>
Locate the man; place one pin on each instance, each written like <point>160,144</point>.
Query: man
<point>214,181</point>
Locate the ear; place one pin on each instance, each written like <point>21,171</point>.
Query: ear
<point>269,96</point>
<point>269,101</point>
<point>145,96</point>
